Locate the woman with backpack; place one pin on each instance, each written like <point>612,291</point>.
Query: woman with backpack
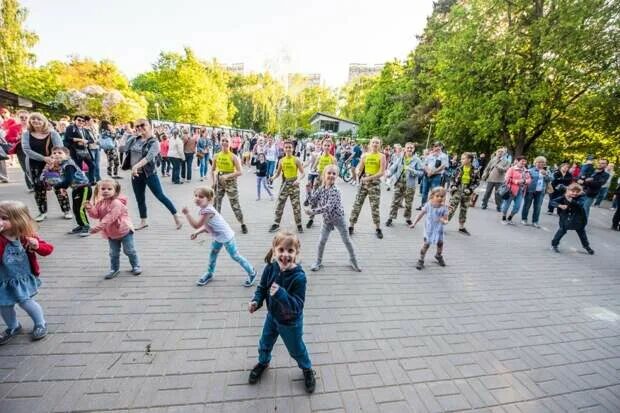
<point>107,142</point>
<point>142,154</point>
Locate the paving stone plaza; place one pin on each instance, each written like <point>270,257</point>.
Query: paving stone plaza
<point>507,326</point>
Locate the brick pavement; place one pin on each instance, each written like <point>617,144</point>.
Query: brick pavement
<point>507,326</point>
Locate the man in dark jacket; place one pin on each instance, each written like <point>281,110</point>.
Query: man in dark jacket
<point>593,183</point>
<point>572,216</point>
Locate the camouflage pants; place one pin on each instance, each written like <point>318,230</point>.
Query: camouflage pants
<point>459,198</point>
<point>229,188</point>
<point>373,191</point>
<point>288,190</point>
<point>401,191</point>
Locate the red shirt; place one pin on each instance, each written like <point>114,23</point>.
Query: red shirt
<point>236,142</point>
<point>13,130</point>
<point>163,148</point>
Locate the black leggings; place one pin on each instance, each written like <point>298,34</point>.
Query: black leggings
<point>80,196</point>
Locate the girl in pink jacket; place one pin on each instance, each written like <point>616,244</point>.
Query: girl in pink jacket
<point>110,209</point>
<point>517,179</point>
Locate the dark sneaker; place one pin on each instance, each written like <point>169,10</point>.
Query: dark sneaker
<point>85,232</point>
<point>136,270</point>
<point>483,207</point>
<point>351,230</point>
<point>355,266</point>
<point>256,372</point>
<point>419,265</point>
<point>306,203</point>
<point>440,260</point>
<point>309,224</point>
<point>419,208</point>
<point>244,229</point>
<point>204,279</point>
<point>112,274</point>
<point>274,228</point>
<point>9,333</point>
<point>39,332</point>
<point>555,248</point>
<point>300,228</point>
<point>379,233</point>
<point>590,250</point>
<point>250,280</point>
<point>464,231</point>
<point>309,380</point>
<point>316,266</point>
<point>75,230</point>
<point>409,222</point>
<point>388,223</point>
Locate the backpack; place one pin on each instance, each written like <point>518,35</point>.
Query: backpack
<point>107,143</point>
<point>79,177</point>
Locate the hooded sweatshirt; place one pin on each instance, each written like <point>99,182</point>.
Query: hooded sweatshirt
<point>113,216</point>
<point>287,304</point>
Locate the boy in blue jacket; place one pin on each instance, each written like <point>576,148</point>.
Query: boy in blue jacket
<point>573,216</point>
<point>283,287</point>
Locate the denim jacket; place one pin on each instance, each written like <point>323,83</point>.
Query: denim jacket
<point>534,173</point>
<point>412,170</point>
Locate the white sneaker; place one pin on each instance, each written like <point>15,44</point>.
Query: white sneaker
<point>524,223</point>
<point>535,225</point>
<point>40,217</point>
<point>68,215</point>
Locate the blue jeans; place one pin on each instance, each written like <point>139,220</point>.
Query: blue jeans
<point>516,200</point>
<point>602,195</point>
<point>271,168</point>
<point>292,337</point>
<point>537,199</point>
<point>429,183</point>
<point>128,248</point>
<point>587,203</point>
<point>262,181</point>
<point>204,166</point>
<point>139,184</point>
<point>176,170</point>
<point>186,168</point>
<point>96,158</point>
<point>231,248</point>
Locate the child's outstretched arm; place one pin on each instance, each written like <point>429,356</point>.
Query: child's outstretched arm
<point>418,218</point>
<point>196,223</point>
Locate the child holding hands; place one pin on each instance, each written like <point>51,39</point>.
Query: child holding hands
<point>436,217</point>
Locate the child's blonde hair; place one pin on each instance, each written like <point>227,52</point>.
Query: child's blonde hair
<point>115,185</point>
<point>438,190</point>
<point>574,185</point>
<point>283,237</point>
<point>324,174</point>
<point>206,192</point>
<point>18,214</point>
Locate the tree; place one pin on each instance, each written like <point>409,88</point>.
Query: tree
<point>297,109</point>
<point>353,97</point>
<point>15,44</point>
<point>257,98</point>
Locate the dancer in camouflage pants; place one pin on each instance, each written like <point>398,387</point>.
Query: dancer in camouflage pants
<point>401,191</point>
<point>229,188</point>
<point>460,197</point>
<point>288,190</point>
<point>371,189</point>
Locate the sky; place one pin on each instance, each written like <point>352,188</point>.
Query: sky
<point>314,36</point>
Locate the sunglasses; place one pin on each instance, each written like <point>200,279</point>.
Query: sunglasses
<point>79,120</point>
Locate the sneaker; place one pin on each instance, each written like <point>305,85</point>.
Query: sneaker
<point>464,231</point>
<point>316,266</point>
<point>39,332</point>
<point>204,279</point>
<point>590,250</point>
<point>351,230</point>
<point>409,222</point>
<point>244,229</point>
<point>75,230</point>
<point>524,223</point>
<point>274,228</point>
<point>419,265</point>
<point>535,225</point>
<point>388,223</point>
<point>440,260</point>
<point>306,203</point>
<point>355,267</point>
<point>509,220</point>
<point>9,333</point>
<point>555,248</point>
<point>419,208</point>
<point>136,271</point>
<point>309,224</point>
<point>68,215</point>
<point>85,232</point>
<point>549,212</point>
<point>250,280</point>
<point>300,228</point>
<point>309,380</point>
<point>256,372</point>
<point>483,207</point>
<point>40,217</point>
<point>112,274</point>
<point>379,233</point>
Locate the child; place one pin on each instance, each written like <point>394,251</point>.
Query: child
<point>283,286</point>
<point>19,269</point>
<point>572,216</point>
<point>74,177</point>
<point>436,217</point>
<point>261,176</point>
<point>327,200</point>
<point>223,236</point>
<point>110,209</point>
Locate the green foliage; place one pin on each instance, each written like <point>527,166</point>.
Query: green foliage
<point>257,99</point>
<point>15,44</point>
<point>297,109</point>
<point>353,97</point>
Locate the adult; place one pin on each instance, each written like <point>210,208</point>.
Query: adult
<point>404,171</point>
<point>4,147</point>
<point>536,190</point>
<point>236,144</point>
<point>517,180</point>
<point>203,149</point>
<point>12,135</point>
<point>372,166</point>
<point>109,146</point>
<point>91,131</point>
<point>37,143</point>
<point>494,175</point>
<point>142,151</point>
<point>482,163</point>
<point>587,169</point>
<point>189,149</point>
<point>434,166</point>
<point>271,155</point>
<point>77,142</point>
<point>562,178</point>
<point>602,195</point>
<point>575,171</point>
<point>164,146</point>
<point>176,156</point>
<point>593,183</point>
<point>615,221</point>
<point>226,169</point>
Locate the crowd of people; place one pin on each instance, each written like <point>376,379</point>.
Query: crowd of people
<point>65,157</point>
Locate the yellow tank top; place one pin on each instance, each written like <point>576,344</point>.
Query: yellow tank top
<point>372,163</point>
<point>324,160</point>
<point>289,167</point>
<point>466,177</point>
<point>224,162</point>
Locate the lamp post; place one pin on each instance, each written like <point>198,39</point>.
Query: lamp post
<point>157,109</point>
<point>430,128</point>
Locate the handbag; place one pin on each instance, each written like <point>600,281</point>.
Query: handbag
<point>83,154</point>
<point>504,192</point>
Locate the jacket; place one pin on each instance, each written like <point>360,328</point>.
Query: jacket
<point>412,170</point>
<point>573,217</point>
<point>534,174</point>
<point>474,178</point>
<point>593,187</point>
<point>517,179</point>
<point>559,179</point>
<point>72,176</point>
<point>113,216</point>
<point>175,148</point>
<point>496,170</point>
<point>44,250</point>
<point>55,141</point>
<point>287,304</point>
